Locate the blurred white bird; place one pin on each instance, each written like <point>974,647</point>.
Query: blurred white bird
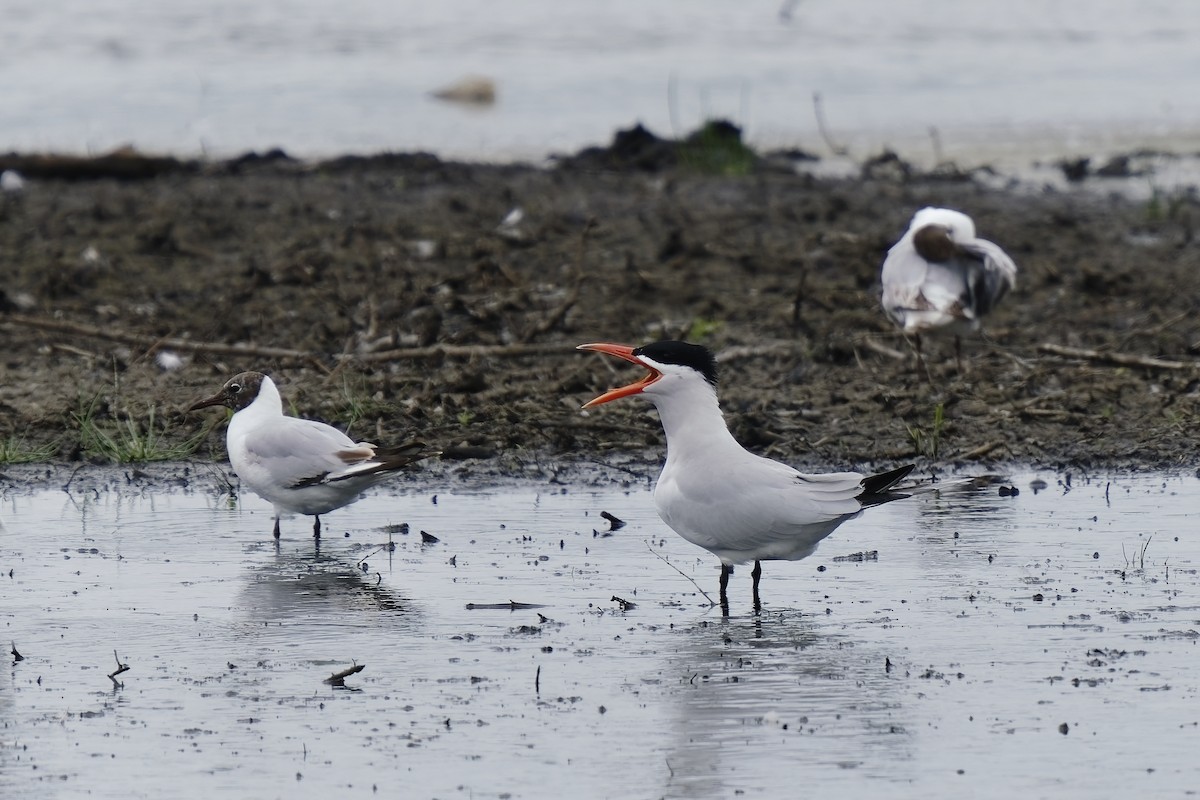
<point>713,492</point>
<point>301,466</point>
<point>168,361</point>
<point>940,276</point>
<point>11,182</point>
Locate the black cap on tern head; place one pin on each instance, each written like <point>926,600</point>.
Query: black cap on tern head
<point>696,356</point>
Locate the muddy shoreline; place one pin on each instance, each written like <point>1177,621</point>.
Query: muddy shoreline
<point>402,295</point>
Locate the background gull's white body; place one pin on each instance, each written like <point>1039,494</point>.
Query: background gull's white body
<point>921,294</point>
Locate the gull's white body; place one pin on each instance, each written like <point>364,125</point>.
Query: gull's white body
<point>299,465</point>
<point>739,506</point>
<point>920,295</point>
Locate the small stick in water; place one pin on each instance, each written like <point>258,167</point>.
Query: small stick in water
<point>339,678</point>
<point>112,676</point>
<point>663,559</point>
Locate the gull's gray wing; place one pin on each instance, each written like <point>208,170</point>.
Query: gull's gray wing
<point>299,452</point>
<point>989,274</point>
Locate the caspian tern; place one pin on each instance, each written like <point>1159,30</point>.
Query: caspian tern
<point>939,275</point>
<point>300,465</point>
<point>716,494</point>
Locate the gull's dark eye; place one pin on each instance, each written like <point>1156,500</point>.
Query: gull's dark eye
<point>234,388</point>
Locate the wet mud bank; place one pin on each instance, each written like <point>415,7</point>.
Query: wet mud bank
<point>402,295</point>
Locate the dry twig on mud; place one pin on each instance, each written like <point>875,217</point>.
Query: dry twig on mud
<point>464,351</point>
<point>156,342</point>
<point>1041,398</point>
<point>1154,329</point>
<point>286,353</point>
<point>1121,359</point>
<point>777,347</point>
<point>882,349</point>
<point>555,318</point>
<point>982,450</point>
<point>339,678</point>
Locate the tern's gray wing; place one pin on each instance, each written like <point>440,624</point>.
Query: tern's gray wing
<point>761,510</point>
<point>298,452</point>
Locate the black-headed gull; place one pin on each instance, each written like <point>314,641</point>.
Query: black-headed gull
<point>940,276</point>
<point>713,492</point>
<point>299,465</point>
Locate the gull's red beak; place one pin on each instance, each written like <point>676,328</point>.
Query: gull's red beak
<point>626,353</point>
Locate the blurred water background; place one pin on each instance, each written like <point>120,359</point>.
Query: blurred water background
<point>995,78</point>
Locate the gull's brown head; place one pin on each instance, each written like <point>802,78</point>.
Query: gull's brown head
<point>237,393</point>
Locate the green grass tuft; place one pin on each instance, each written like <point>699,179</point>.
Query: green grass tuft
<point>716,148</point>
<point>928,443</point>
<point>702,328</point>
<point>15,450</point>
<point>128,440</point>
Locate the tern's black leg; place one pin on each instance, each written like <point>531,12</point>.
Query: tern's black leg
<point>958,353</point>
<point>316,527</point>
<point>756,574</point>
<point>726,571</point>
<point>277,528</point>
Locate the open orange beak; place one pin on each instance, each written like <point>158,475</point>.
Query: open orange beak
<point>626,353</point>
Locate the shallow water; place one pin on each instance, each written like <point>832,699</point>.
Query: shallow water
<point>945,663</point>
<point>320,78</point>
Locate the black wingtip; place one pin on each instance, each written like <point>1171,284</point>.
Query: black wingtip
<point>875,487</point>
<point>404,454</point>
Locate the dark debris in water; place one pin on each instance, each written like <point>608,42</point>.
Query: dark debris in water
<point>112,676</point>
<point>623,603</point>
<point>865,555</point>
<point>614,523</point>
<point>339,678</point>
<point>511,605</point>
